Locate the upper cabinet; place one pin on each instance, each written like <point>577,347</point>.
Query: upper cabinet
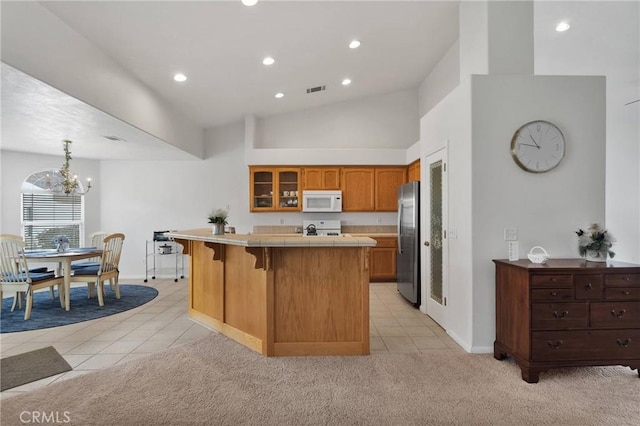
<point>319,178</point>
<point>275,189</point>
<point>358,193</point>
<point>387,181</point>
<point>413,171</point>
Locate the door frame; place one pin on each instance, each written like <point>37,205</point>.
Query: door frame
<point>440,315</point>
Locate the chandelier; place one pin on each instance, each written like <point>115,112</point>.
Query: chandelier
<point>63,181</point>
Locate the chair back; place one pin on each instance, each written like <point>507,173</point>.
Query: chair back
<point>13,264</point>
<point>97,241</point>
<point>111,253</point>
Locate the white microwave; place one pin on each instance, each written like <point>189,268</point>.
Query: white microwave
<point>321,201</point>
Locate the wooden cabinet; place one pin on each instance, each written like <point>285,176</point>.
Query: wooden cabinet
<point>387,181</point>
<point>567,312</point>
<point>358,193</point>
<point>413,171</point>
<point>382,259</point>
<point>319,178</point>
<point>275,189</point>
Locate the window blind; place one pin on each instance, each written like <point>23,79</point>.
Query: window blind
<point>45,216</point>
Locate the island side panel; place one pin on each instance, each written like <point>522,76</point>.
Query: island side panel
<point>321,301</point>
<point>206,279</point>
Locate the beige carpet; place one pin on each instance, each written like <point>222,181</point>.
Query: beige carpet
<point>215,381</point>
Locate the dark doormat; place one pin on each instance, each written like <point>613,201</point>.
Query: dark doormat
<point>31,366</point>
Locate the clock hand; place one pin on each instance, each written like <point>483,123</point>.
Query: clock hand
<point>528,144</point>
<point>534,141</point>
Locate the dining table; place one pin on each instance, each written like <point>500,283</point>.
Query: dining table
<point>63,259</point>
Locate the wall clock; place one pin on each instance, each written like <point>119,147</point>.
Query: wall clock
<point>537,146</point>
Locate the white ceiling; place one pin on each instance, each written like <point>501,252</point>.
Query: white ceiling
<point>220,45</point>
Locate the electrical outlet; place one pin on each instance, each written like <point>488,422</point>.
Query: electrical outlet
<point>282,221</point>
<point>510,234</point>
<point>379,221</point>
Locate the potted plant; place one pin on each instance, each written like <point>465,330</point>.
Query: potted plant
<point>595,243</point>
<point>219,219</point>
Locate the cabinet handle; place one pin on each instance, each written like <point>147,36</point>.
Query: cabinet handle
<point>560,316</point>
<point>624,343</point>
<point>553,280</point>
<point>589,286</point>
<point>625,292</point>
<point>555,345</point>
<point>618,314</point>
<point>553,293</point>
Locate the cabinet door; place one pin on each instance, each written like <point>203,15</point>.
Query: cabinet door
<point>288,196</point>
<point>382,260</point>
<point>262,182</point>
<point>413,171</point>
<point>357,189</point>
<point>319,178</point>
<point>387,181</point>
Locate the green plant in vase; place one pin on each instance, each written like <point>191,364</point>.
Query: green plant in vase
<point>219,219</point>
<point>595,244</point>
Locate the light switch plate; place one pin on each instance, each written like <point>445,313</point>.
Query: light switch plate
<point>510,234</point>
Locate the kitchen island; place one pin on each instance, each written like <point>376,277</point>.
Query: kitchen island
<point>281,295</point>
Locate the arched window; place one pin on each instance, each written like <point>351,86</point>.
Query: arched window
<point>47,211</point>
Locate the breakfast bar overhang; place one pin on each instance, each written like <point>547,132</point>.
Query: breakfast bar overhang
<point>281,295</point>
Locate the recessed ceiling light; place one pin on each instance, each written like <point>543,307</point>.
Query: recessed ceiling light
<point>268,60</point>
<point>562,27</point>
<point>354,44</point>
<point>279,95</point>
<point>180,77</point>
<point>249,2</point>
<point>346,82</point>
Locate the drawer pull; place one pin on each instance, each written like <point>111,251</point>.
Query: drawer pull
<point>624,343</point>
<point>553,280</point>
<point>589,286</point>
<point>626,292</point>
<point>560,316</point>
<point>556,345</point>
<point>618,314</point>
<point>553,293</point>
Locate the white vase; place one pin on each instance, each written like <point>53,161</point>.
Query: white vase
<point>217,229</point>
<point>595,256</point>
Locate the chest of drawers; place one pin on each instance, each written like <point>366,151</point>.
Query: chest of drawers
<point>567,312</point>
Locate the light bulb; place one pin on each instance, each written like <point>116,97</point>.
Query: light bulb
<point>249,2</point>
<point>562,27</point>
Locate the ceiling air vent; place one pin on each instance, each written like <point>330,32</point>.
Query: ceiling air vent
<point>316,89</point>
<point>114,138</point>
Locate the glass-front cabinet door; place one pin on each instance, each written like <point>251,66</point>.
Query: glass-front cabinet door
<point>288,189</point>
<point>262,186</point>
<point>275,189</point>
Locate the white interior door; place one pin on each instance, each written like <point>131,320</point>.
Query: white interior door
<point>435,242</point>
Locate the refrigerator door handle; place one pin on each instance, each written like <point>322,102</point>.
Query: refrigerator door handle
<point>399,227</point>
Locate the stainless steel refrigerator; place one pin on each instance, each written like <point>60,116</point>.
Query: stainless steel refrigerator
<point>408,261</point>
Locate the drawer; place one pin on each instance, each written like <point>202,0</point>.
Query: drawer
<point>622,293</point>
<point>589,287</point>
<point>615,314</point>
<point>386,241</point>
<point>622,279</point>
<point>585,345</point>
<point>551,294</point>
<point>551,280</point>
<point>559,316</point>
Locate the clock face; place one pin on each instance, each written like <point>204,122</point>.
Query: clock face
<point>537,146</point>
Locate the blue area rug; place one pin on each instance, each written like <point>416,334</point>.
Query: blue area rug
<point>47,313</point>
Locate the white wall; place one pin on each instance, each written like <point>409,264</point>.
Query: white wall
<point>17,166</point>
<point>545,208</point>
<point>442,79</point>
<point>73,65</point>
<point>449,123</point>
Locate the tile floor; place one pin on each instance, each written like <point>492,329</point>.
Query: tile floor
<point>395,326</point>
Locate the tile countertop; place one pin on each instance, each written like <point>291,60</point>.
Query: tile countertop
<point>373,234</point>
<point>272,240</point>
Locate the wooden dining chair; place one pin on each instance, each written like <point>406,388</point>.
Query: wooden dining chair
<point>97,241</point>
<point>107,270</point>
<point>16,277</point>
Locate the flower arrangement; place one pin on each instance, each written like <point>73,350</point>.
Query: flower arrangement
<point>219,216</point>
<point>595,240</point>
